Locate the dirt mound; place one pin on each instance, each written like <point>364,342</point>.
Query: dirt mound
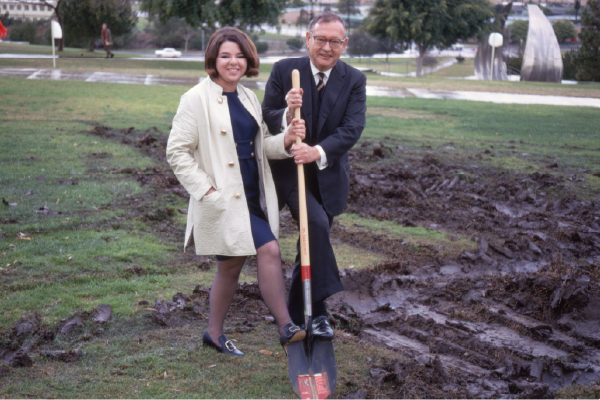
<point>30,338</point>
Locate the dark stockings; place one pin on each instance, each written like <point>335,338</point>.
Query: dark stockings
<point>270,283</point>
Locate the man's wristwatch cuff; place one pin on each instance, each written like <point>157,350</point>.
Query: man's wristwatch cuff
<point>287,113</point>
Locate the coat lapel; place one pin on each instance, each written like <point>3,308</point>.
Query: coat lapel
<point>332,91</point>
<point>248,105</point>
<point>305,77</point>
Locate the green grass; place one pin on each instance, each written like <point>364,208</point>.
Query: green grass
<point>417,237</point>
<point>395,65</point>
<point>83,257</point>
<point>62,264</point>
<point>567,134</point>
<point>15,48</point>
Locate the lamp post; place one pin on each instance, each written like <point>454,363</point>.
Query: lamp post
<point>495,40</point>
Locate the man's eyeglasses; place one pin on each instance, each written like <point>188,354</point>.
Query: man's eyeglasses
<point>321,41</point>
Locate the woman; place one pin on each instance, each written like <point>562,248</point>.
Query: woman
<point>218,149</point>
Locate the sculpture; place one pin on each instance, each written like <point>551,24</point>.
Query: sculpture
<point>542,60</point>
<point>483,58</point>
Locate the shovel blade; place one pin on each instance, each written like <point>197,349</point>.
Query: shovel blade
<point>312,368</point>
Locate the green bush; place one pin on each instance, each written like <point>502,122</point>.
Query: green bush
<point>261,47</point>
<point>570,65</point>
<point>296,43</point>
<point>32,32</point>
<point>429,61</point>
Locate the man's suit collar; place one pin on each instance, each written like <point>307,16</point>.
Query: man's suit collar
<point>335,81</point>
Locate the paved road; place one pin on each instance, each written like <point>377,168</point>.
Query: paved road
<point>140,79</point>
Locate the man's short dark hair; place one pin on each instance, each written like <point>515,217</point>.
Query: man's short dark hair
<point>326,16</point>
<point>234,35</point>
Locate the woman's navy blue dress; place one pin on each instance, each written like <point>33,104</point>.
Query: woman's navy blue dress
<point>244,133</point>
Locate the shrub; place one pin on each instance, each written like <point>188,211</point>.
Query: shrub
<point>296,43</point>
<point>429,61</point>
<point>569,65</point>
<point>32,32</point>
<point>261,47</point>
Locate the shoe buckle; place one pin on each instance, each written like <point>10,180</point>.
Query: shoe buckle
<point>294,329</point>
<point>230,346</point>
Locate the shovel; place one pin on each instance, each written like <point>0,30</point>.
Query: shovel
<point>311,362</point>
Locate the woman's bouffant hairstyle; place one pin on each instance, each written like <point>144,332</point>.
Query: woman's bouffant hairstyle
<point>234,35</point>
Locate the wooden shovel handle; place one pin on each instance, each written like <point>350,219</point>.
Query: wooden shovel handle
<point>304,249</point>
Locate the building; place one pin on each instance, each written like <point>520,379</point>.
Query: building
<point>26,10</point>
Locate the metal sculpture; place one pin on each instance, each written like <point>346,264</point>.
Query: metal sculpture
<point>542,60</point>
<point>484,68</point>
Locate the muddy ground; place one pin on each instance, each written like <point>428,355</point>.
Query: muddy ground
<point>518,317</point>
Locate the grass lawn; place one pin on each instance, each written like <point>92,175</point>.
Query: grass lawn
<point>60,265</point>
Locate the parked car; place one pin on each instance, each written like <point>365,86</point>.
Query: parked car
<point>457,46</point>
<point>168,52</point>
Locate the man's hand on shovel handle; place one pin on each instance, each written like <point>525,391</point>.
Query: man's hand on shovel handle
<point>293,100</point>
<point>297,130</point>
<point>305,154</point>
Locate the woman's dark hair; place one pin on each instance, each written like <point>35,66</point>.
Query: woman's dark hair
<point>234,35</point>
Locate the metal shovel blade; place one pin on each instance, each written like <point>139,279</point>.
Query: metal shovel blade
<point>312,369</point>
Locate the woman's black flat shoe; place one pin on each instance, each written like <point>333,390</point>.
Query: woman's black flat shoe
<point>226,346</point>
<point>291,333</point>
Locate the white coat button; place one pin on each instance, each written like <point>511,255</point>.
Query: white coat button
<point>237,195</point>
<point>223,132</point>
<point>220,100</point>
<point>231,163</point>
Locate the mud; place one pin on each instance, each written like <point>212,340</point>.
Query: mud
<point>517,318</point>
<point>515,315</point>
<point>30,338</point>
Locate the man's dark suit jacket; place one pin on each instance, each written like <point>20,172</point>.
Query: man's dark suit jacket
<point>341,120</point>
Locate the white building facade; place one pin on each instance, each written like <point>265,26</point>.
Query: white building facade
<point>26,10</point>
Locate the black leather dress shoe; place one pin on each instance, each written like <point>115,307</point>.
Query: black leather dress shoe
<point>321,329</point>
<point>291,333</point>
<point>226,346</point>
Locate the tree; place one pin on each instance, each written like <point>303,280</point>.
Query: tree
<point>518,32</point>
<point>57,11</point>
<point>348,7</point>
<point>361,44</point>
<point>302,18</point>
<point>244,14</point>
<point>175,32</point>
<point>83,19</point>
<point>564,30</point>
<point>34,32</point>
<point>386,46</point>
<point>588,55</point>
<point>428,23</point>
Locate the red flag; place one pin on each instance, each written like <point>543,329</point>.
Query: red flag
<point>2,30</point>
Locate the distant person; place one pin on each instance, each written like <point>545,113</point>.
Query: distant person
<point>332,100</point>
<point>107,41</point>
<point>218,148</point>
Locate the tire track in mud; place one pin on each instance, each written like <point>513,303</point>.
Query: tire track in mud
<point>517,318</point>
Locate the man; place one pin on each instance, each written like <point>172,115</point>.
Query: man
<point>107,41</point>
<point>332,100</point>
